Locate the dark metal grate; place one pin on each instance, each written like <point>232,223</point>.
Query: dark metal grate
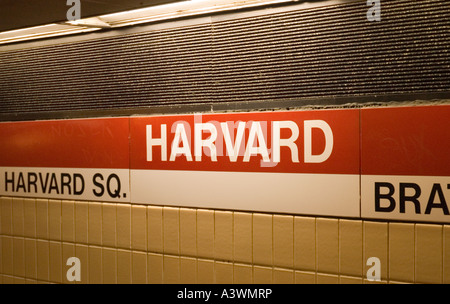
<point>327,51</point>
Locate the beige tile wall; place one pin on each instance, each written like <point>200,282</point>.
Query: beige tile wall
<point>124,243</point>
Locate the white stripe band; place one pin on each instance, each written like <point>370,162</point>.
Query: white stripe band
<point>317,194</point>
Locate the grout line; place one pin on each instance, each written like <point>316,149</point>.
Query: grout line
<point>388,253</point>
<point>316,266</point>
<point>362,250</point>
<point>443,254</point>
<point>116,242</point>
<point>179,232</point>
<point>293,244</point>
<point>363,229</point>
<point>415,253</point>
<point>232,239</point>
<point>251,236</point>
<point>338,247</point>
<point>162,245</point>
<point>272,249</point>
<point>48,236</point>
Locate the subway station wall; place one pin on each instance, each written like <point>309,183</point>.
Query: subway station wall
<point>320,183</point>
<point>173,232</point>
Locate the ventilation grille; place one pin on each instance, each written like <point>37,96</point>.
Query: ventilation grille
<point>329,51</point>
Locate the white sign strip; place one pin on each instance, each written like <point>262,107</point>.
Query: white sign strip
<point>318,194</point>
<point>411,198</point>
<point>111,185</point>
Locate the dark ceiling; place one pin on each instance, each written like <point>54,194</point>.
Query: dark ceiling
<point>15,14</point>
